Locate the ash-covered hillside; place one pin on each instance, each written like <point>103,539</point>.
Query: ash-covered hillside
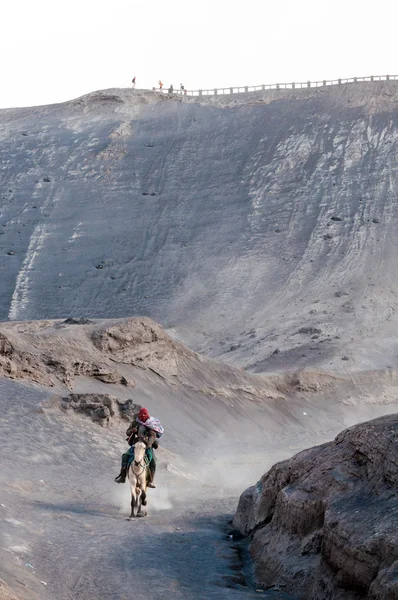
<point>261,227</point>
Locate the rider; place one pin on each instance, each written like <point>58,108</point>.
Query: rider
<point>138,432</point>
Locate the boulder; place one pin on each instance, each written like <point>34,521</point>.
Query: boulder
<point>325,522</point>
<point>101,408</point>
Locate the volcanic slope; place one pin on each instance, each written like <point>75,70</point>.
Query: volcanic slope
<point>250,224</point>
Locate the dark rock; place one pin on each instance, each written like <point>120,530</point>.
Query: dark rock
<point>101,408</point>
<point>47,179</point>
<point>105,375</point>
<point>348,307</point>
<point>345,358</point>
<point>325,521</point>
<point>6,348</point>
<point>234,347</point>
<point>309,330</point>
<point>78,321</point>
<point>340,294</point>
<point>127,409</point>
<point>334,218</point>
<point>102,412</point>
<point>276,351</point>
<point>375,220</point>
<point>327,236</point>
<point>11,253</point>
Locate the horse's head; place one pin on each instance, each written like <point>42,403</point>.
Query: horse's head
<point>139,451</point>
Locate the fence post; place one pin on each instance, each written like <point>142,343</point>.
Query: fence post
<point>339,81</point>
<point>387,77</point>
<point>263,87</point>
<point>372,78</point>
<point>293,85</point>
<point>200,92</point>
<point>355,79</point>
<point>277,86</point>
<point>246,88</point>
<point>308,83</point>
<point>231,90</point>
<point>215,91</point>
<point>324,82</point>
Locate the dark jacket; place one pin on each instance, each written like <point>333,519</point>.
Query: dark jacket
<point>142,434</point>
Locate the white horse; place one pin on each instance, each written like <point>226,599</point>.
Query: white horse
<point>137,474</point>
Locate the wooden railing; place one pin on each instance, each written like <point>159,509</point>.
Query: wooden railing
<point>277,86</point>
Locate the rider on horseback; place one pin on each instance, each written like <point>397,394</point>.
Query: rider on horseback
<point>139,432</point>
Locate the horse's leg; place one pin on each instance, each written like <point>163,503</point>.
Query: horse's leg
<point>133,497</point>
<point>139,501</point>
<point>142,498</point>
<point>133,503</point>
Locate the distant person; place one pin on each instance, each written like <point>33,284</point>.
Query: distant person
<point>160,85</point>
<point>171,89</point>
<point>133,82</point>
<point>182,87</point>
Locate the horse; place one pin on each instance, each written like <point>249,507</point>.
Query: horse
<point>137,475</point>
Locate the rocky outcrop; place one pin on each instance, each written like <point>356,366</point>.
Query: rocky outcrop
<point>102,408</point>
<point>143,343</point>
<point>324,523</point>
<point>49,352</point>
<point>58,353</point>
<point>5,592</point>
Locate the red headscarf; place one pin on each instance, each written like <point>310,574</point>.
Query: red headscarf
<point>143,415</point>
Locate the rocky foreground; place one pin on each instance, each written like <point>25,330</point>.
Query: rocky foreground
<point>324,523</point>
<point>5,592</point>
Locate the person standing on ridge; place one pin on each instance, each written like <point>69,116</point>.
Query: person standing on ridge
<point>160,85</point>
<point>133,82</point>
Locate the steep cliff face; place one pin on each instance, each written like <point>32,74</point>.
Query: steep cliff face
<point>324,523</point>
<point>239,222</point>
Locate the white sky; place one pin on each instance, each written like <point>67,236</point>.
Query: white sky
<point>54,51</point>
